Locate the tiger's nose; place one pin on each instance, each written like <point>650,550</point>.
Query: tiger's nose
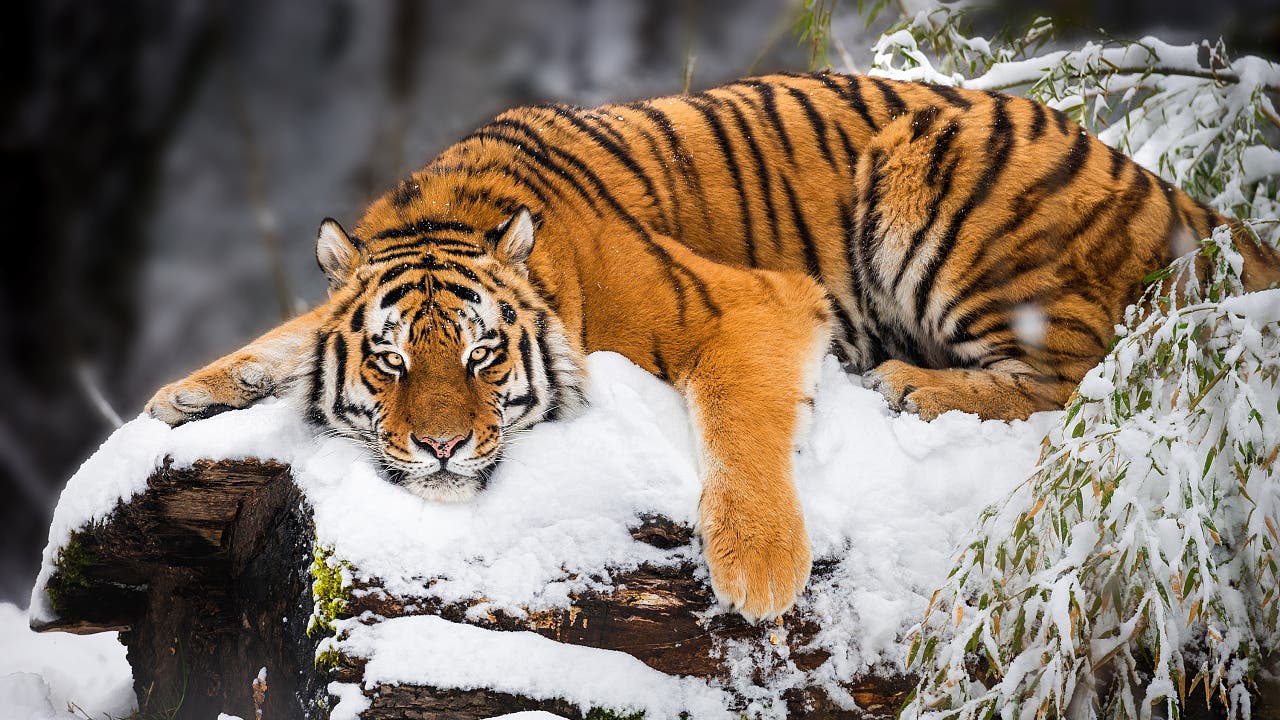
<point>442,447</point>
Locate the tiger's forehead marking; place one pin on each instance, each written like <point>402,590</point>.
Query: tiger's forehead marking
<point>416,246</point>
<point>431,297</point>
<point>387,326</point>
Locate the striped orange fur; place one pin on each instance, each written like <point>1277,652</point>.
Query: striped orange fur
<point>965,250</point>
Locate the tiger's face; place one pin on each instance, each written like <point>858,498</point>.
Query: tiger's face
<point>438,353</point>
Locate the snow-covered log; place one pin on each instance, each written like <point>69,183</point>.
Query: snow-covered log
<point>207,573</point>
<point>212,576</point>
<point>573,582</point>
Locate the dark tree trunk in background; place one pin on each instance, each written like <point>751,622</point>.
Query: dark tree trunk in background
<point>91,92</point>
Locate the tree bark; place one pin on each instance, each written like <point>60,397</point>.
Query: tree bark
<point>205,575</point>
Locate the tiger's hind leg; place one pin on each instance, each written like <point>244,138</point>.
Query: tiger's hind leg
<point>1004,390</point>
<point>264,367</point>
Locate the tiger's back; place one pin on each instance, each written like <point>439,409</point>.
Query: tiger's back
<point>951,228</point>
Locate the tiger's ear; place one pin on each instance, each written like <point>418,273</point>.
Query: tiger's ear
<point>336,253</point>
<point>512,240</point>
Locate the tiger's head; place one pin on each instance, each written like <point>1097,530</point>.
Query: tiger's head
<point>439,349</point>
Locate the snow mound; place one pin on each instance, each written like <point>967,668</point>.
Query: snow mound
<point>887,498</point>
<point>42,677</point>
<point>431,651</point>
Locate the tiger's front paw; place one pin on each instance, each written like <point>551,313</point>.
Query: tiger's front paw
<point>905,387</point>
<point>759,558</point>
<point>215,389</point>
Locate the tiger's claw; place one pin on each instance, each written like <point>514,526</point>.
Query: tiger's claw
<point>759,565</point>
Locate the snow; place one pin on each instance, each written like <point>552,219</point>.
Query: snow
<point>44,676</point>
<point>1262,308</point>
<point>351,701</point>
<point>426,649</point>
<point>886,499</point>
<point>1095,386</point>
<point>1132,58</point>
<point>1258,162</point>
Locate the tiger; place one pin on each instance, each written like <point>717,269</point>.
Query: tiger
<point>725,241</point>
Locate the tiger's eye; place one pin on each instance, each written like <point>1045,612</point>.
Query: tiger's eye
<point>479,354</point>
<point>393,359</point>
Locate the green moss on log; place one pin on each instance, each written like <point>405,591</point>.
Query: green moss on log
<point>331,598</point>
<point>602,714</point>
<point>70,574</point>
<point>330,590</point>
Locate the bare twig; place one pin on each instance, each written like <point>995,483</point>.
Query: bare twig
<point>779,31</point>
<point>688,22</point>
<point>1269,114</point>
<point>99,401</point>
<point>849,66</point>
<point>16,460</point>
<point>1225,77</point>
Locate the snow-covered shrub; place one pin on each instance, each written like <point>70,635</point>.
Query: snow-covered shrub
<point>1137,567</point>
<point>1139,561</point>
<point>1200,119</point>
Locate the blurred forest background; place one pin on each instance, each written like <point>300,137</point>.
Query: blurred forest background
<point>166,163</point>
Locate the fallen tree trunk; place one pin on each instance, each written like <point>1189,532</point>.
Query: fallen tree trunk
<point>205,576</point>
<point>208,577</point>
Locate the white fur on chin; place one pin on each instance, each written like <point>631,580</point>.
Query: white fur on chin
<point>444,487</point>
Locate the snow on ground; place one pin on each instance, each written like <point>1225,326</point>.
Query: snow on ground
<point>44,676</point>
<point>886,497</point>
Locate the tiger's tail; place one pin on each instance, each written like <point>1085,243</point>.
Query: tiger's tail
<point>1261,267</point>
<point>1261,259</point>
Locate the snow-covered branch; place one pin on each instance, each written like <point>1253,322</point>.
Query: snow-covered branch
<point>1191,113</point>
<point>1143,548</point>
<point>1145,58</point>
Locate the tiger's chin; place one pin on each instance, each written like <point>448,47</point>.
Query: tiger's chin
<point>443,486</point>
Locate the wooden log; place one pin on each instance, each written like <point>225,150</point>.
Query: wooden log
<point>206,575</point>
<point>653,614</point>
